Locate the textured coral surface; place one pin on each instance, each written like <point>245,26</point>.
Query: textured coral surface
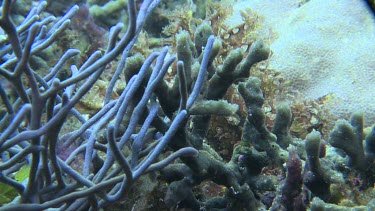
<point>324,47</point>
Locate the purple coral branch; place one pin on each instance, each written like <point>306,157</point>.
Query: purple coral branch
<point>37,142</point>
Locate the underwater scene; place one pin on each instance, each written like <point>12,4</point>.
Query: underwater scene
<point>187,105</point>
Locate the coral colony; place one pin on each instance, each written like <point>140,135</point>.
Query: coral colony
<point>136,122</point>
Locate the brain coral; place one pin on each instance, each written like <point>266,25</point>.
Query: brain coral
<point>325,47</point>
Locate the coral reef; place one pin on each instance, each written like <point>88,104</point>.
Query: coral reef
<point>172,109</point>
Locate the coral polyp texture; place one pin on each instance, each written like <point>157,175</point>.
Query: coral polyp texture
<point>135,105</point>
<point>323,52</point>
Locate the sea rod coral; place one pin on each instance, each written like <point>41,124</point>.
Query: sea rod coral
<point>30,127</point>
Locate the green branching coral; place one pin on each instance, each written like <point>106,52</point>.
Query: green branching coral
<point>108,13</point>
<point>349,137</point>
<point>255,131</point>
<point>282,122</point>
<point>316,177</point>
